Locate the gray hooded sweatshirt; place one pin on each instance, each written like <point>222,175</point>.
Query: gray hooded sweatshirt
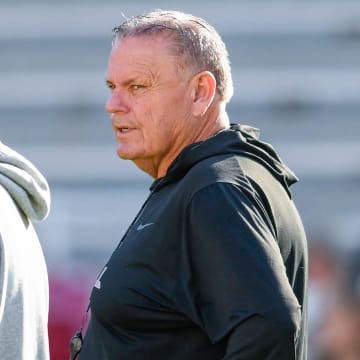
<point>24,291</point>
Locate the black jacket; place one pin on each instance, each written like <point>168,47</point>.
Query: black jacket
<point>213,267</point>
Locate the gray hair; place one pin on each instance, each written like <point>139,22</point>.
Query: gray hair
<point>196,41</point>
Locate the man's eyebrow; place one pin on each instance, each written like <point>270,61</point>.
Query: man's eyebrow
<point>125,82</point>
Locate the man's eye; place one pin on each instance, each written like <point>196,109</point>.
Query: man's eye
<point>136,87</point>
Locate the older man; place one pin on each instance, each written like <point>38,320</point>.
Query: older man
<point>214,266</point>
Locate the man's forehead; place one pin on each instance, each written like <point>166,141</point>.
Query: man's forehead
<point>128,74</point>
<point>134,68</point>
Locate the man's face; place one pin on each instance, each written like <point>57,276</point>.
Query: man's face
<point>150,102</point>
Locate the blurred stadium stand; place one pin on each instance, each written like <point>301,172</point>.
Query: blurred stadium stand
<point>296,68</point>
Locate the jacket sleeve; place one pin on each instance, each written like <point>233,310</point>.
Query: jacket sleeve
<point>242,292</point>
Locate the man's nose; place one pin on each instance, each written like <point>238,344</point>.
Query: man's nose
<point>116,103</point>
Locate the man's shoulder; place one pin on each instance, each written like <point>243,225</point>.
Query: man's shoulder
<point>224,168</point>
<point>219,167</point>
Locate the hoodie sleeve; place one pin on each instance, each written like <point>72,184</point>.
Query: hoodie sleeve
<point>243,292</point>
<point>26,185</point>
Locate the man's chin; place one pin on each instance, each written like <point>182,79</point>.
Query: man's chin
<point>124,155</point>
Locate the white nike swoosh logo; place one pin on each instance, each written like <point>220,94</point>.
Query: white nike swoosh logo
<point>142,226</point>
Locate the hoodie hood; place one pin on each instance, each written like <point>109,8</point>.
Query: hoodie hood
<point>26,185</point>
<point>240,140</point>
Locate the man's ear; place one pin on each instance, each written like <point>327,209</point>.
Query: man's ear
<point>203,92</point>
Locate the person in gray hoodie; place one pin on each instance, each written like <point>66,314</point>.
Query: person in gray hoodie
<point>24,290</point>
